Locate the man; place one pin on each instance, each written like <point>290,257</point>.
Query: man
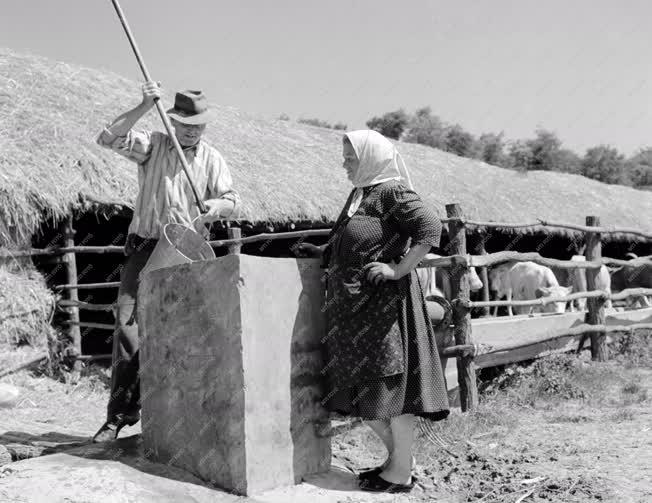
<point>164,195</point>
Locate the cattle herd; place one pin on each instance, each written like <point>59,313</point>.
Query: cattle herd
<point>528,280</point>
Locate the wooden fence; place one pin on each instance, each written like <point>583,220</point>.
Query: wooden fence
<point>458,262</point>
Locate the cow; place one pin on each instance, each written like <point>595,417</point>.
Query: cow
<point>527,281</point>
<point>499,284</point>
<point>634,276</point>
<point>578,277</point>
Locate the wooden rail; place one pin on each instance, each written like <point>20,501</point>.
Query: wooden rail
<point>480,349</point>
<point>543,301</point>
<point>88,286</point>
<point>269,237</point>
<point>88,358</point>
<point>61,251</point>
<point>86,305</point>
<point>492,259</point>
<point>545,223</point>
<point>91,324</point>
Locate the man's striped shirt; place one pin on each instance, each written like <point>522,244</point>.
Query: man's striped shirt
<point>164,193</point>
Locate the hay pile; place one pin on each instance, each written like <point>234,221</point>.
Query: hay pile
<point>26,308</point>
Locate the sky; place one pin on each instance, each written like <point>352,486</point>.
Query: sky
<point>580,68</point>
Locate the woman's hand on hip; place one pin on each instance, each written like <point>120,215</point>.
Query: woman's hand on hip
<point>378,272</point>
<point>307,250</point>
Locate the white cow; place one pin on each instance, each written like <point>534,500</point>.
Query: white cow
<point>527,281</point>
<point>637,276</point>
<point>436,281</point>
<point>603,282</point>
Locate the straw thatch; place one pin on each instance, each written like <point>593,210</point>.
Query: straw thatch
<point>26,307</point>
<point>50,113</point>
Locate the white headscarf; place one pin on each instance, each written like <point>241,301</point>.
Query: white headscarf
<point>379,162</point>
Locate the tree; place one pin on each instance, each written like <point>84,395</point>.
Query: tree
<point>459,141</point>
<point>315,122</point>
<point>340,126</point>
<point>392,124</point>
<point>426,129</point>
<point>490,148</point>
<point>321,123</point>
<point>543,152</point>
<point>284,117</point>
<point>520,155</point>
<point>605,164</point>
<point>568,161</point>
<point>545,149</point>
<point>639,169</point>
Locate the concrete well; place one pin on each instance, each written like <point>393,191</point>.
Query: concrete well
<point>230,370</point>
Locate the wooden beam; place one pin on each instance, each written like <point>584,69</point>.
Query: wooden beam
<point>62,251</point>
<point>86,305</point>
<point>234,235</point>
<point>459,350</point>
<point>595,314</point>
<point>484,277</point>
<point>512,256</point>
<point>594,294</point>
<point>31,363</point>
<point>268,237</point>
<point>544,223</point>
<point>87,286</point>
<point>88,358</point>
<point>71,278</point>
<point>92,324</point>
<point>462,317</point>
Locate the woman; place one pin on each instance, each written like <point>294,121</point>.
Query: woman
<point>381,357</point>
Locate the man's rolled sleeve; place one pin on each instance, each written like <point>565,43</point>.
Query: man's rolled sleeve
<point>135,145</point>
<point>220,185</point>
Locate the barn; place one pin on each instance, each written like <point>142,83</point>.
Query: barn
<point>289,176</point>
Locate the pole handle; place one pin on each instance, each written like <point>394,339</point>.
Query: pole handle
<point>159,106</point>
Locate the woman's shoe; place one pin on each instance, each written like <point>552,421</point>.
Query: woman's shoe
<point>377,484</point>
<point>376,471</point>
<point>369,472</point>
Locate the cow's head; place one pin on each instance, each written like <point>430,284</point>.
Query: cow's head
<point>553,291</point>
<point>475,283</point>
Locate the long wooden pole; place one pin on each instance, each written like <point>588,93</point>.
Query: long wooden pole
<point>461,316</point>
<point>159,106</point>
<point>484,277</point>
<point>71,279</point>
<point>595,305</point>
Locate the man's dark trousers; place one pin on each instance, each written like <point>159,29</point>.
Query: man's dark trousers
<point>124,402</point>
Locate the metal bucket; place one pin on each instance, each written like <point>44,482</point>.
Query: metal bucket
<point>178,244</point>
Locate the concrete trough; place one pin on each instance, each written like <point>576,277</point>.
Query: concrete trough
<point>231,370</point>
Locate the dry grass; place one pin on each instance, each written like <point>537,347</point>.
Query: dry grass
<point>558,429</point>
<point>50,113</point>
<point>26,307</point>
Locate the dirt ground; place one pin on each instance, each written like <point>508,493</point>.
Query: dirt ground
<point>563,429</point>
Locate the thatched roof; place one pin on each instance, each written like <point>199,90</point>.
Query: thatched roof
<point>50,113</point>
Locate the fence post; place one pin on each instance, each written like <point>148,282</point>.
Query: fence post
<point>461,315</point>
<point>484,277</point>
<point>595,314</point>
<point>71,278</point>
<point>234,233</point>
